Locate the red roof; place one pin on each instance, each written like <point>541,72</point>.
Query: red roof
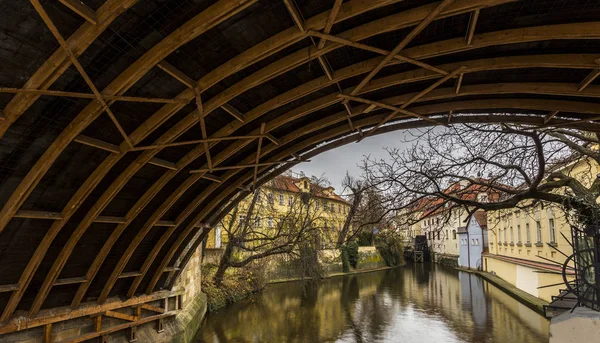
<point>288,183</point>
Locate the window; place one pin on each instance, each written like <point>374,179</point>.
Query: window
<point>306,184</point>
<point>454,234</point>
<point>333,208</point>
<point>242,219</point>
<point>281,199</point>
<point>317,204</point>
<point>325,205</point>
<point>257,222</point>
<point>504,234</point>
<point>325,225</point>
<point>519,233</point>
<point>259,197</point>
<point>339,208</point>
<point>438,235</point>
<point>512,235</point>
<point>270,222</point>
<point>290,200</point>
<point>527,233</point>
<point>476,241</point>
<point>270,198</point>
<point>552,230</point>
<point>539,231</point>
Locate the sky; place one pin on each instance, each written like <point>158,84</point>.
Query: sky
<point>333,164</point>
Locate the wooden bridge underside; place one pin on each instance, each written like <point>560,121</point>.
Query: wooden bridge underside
<point>128,126</point>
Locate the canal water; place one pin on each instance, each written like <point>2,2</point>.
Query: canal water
<point>415,303</point>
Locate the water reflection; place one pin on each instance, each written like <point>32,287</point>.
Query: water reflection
<point>417,303</point>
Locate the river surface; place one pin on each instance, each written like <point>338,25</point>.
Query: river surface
<point>415,303</point>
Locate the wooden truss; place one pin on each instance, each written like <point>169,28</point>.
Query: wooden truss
<point>222,177</point>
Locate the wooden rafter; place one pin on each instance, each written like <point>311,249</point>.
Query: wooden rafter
<point>260,141</point>
<point>243,166</point>
<point>590,78</point>
<point>212,177</point>
<point>96,143</point>
<point>402,109</point>
<point>349,115</point>
<point>200,115</point>
<point>402,45</point>
<point>38,215</point>
<point>196,142</point>
<point>50,92</point>
<point>176,74</point>
<point>472,24</point>
<point>201,22</point>
<point>162,163</point>
<point>110,220</point>
<point>295,14</point>
<point>50,24</point>
<point>81,9</point>
<point>330,20</point>
<point>458,83</point>
<point>366,47</point>
<point>223,71</point>
<point>550,116</point>
<point>234,113</point>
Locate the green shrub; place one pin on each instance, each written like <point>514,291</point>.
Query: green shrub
<point>345,258</point>
<point>353,253</point>
<point>392,251</point>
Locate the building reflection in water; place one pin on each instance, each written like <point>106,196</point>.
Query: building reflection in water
<point>417,303</point>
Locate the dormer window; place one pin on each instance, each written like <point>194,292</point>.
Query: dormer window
<point>305,184</point>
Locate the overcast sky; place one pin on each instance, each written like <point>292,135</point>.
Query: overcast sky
<point>333,164</point>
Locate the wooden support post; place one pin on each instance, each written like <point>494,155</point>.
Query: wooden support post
<point>449,116</point>
<point>370,108</point>
<point>260,140</point>
<point>472,24</point>
<point>98,323</point>
<point>550,116</point>
<point>153,308</point>
<point>458,83</point>
<point>273,139</point>
<point>193,142</point>
<point>203,127</point>
<point>159,325</point>
<point>349,115</point>
<point>81,9</point>
<point>48,333</point>
<point>132,334</point>
<point>42,12</point>
<point>243,166</point>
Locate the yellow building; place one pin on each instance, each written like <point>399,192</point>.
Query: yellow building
<point>525,245</point>
<point>278,197</point>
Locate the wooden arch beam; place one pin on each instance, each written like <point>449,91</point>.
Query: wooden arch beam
<point>577,61</point>
<point>487,104</point>
<point>82,120</point>
<point>59,62</point>
<point>342,130</point>
<point>150,223</point>
<point>194,27</point>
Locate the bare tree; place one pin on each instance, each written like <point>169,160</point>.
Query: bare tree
<point>450,168</point>
<point>255,229</point>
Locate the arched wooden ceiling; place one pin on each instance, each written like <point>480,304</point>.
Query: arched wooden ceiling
<point>128,126</point>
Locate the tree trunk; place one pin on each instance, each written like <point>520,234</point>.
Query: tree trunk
<point>224,263</point>
<point>344,232</point>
